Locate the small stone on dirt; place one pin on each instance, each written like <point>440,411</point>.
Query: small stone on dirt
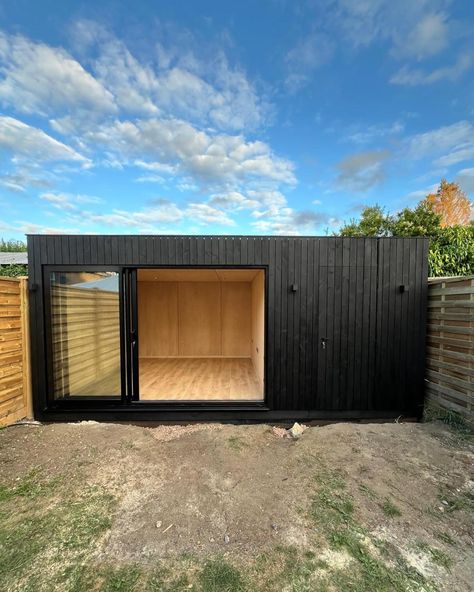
<point>296,430</point>
<point>226,539</point>
<point>158,524</point>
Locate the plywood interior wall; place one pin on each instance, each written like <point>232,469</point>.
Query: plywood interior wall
<point>197,318</point>
<point>258,325</point>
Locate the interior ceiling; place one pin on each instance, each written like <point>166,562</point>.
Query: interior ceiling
<point>197,275</point>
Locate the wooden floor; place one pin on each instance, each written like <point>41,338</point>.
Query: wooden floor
<point>197,379</point>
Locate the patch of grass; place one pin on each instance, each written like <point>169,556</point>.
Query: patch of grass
<point>368,491</point>
<point>390,509</point>
<point>333,514</point>
<point>462,430</point>
<point>63,530</point>
<point>220,576</point>
<point>124,579</point>
<point>286,568</point>
<point>457,500</point>
<point>436,555</point>
<point>236,443</point>
<point>162,580</point>
<point>446,538</point>
<point>31,486</point>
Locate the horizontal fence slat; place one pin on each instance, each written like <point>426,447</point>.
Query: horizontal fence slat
<point>449,380</point>
<point>444,390</point>
<point>451,304</point>
<point>430,361</point>
<point>449,316</point>
<point>451,291</point>
<point>466,344</point>
<point>447,353</point>
<point>452,329</point>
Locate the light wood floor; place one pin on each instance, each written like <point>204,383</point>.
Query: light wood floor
<point>197,379</point>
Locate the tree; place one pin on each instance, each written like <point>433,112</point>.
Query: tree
<point>12,246</point>
<point>452,251</point>
<point>420,221</point>
<point>451,203</point>
<point>373,222</point>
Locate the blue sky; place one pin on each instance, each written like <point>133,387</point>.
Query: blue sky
<point>269,117</point>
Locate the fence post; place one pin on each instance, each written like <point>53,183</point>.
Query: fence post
<point>25,330</point>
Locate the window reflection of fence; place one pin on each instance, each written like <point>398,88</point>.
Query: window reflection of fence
<point>86,341</point>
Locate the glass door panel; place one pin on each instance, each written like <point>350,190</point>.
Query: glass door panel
<point>85,332</point>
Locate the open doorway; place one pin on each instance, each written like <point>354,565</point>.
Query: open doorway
<point>201,334</point>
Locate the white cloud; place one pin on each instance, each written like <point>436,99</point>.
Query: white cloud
<point>183,85</point>
<point>410,31</point>
<point>28,142</point>
<point>209,158</point>
<point>207,214</point>
<point>362,171</point>
<point>428,36</point>
<point>39,79</point>
<point>302,60</point>
<point>374,133</point>
<point>422,193</point>
<point>291,222</point>
<point>69,201</point>
<point>233,200</point>
<point>450,144</point>
<point>465,177</point>
<point>414,77</point>
<point>21,178</point>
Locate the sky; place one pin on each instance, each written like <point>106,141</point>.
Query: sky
<point>215,117</point>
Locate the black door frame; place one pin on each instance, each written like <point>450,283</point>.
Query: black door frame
<point>129,349</point>
<point>81,401</point>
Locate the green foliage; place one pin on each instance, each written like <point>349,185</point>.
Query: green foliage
<point>452,251</point>
<point>419,221</point>
<point>373,222</point>
<point>12,246</point>
<point>451,248</point>
<point>13,270</point>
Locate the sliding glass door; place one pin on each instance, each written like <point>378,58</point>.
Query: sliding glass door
<point>85,335</point>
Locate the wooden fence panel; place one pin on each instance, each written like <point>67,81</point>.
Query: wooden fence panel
<point>15,385</point>
<point>450,345</point>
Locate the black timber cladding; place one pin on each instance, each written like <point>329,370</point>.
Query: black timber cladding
<point>348,294</point>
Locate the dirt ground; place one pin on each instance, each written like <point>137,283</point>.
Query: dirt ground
<point>383,505</point>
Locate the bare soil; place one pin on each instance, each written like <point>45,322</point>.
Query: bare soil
<point>239,491</point>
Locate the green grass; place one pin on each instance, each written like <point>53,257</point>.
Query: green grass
<point>31,486</point>
<point>462,429</point>
<point>334,516</point>
<point>368,492</point>
<point>220,576</point>
<point>35,522</point>
<point>390,509</point>
<point>445,537</point>
<point>457,500</point>
<point>436,555</point>
<point>236,443</point>
<point>49,529</point>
